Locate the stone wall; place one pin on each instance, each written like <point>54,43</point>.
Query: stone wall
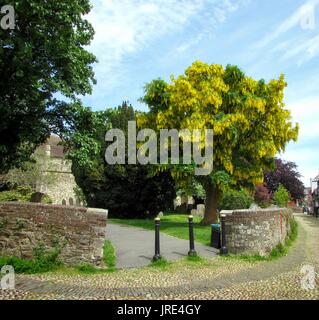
<point>256,232</point>
<point>81,231</point>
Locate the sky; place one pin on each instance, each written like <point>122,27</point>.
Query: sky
<point>137,41</point>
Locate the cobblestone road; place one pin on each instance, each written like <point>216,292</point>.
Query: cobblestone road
<point>218,278</point>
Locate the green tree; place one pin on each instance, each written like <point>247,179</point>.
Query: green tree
<point>235,200</point>
<point>285,173</point>
<point>33,173</point>
<point>41,59</point>
<point>281,196</point>
<point>248,117</point>
<point>125,190</point>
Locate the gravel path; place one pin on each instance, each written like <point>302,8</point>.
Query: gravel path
<point>135,246</point>
<point>216,278</point>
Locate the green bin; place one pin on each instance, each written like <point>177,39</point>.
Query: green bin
<point>215,237</point>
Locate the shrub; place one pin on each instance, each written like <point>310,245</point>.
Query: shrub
<point>21,193</point>
<point>43,261</point>
<point>262,196</point>
<point>281,196</point>
<point>235,200</point>
<point>87,268</point>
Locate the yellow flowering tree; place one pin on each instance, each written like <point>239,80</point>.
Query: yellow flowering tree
<point>248,117</point>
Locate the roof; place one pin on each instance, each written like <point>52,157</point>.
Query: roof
<point>57,151</point>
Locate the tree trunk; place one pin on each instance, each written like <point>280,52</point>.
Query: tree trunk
<point>211,203</point>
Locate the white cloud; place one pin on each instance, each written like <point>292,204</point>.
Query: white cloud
<point>124,28</point>
<point>304,112</point>
<point>302,17</point>
<point>305,152</point>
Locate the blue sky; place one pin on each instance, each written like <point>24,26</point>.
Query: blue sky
<point>140,40</point>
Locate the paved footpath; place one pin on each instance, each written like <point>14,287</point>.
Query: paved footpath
<point>135,246</point>
<point>216,278</point>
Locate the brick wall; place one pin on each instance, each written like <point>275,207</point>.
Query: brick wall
<point>256,232</point>
<point>23,226</point>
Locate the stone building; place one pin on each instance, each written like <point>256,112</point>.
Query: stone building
<point>60,186</point>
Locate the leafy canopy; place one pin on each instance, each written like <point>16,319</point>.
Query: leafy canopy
<point>125,190</point>
<point>285,173</point>
<point>248,117</point>
<point>42,58</point>
<point>281,196</point>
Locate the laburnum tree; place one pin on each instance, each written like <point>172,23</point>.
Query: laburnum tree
<point>42,58</point>
<point>285,173</point>
<point>248,117</point>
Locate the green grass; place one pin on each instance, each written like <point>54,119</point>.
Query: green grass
<point>161,264</point>
<point>109,256</point>
<point>45,262</point>
<point>109,259</point>
<point>49,262</point>
<point>279,251</point>
<point>175,225</point>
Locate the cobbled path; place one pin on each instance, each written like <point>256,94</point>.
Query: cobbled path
<point>218,278</point>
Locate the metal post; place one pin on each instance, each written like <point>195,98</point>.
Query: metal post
<point>192,252</point>
<point>223,249</point>
<point>157,255</point>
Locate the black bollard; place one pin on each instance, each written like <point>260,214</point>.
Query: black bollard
<point>192,252</point>
<point>157,255</point>
<point>223,249</point>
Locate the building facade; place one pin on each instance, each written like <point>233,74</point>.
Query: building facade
<point>60,184</point>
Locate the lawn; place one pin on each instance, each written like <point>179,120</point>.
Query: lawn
<point>172,224</point>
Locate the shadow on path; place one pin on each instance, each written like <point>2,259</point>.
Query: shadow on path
<point>135,246</point>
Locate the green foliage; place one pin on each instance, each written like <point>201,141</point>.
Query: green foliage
<point>285,173</point>
<point>109,256</point>
<point>87,268</point>
<point>195,259</point>
<point>281,196</point>
<point>80,194</point>
<point>161,264</point>
<point>125,190</point>
<point>235,200</point>
<point>109,259</point>
<point>3,223</point>
<point>22,194</point>
<point>47,200</point>
<point>31,173</point>
<point>249,119</point>
<point>43,261</point>
<point>43,58</point>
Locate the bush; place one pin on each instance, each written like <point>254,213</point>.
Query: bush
<point>262,196</point>
<point>43,261</point>
<point>22,194</point>
<point>235,200</point>
<point>281,196</point>
<point>127,191</point>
